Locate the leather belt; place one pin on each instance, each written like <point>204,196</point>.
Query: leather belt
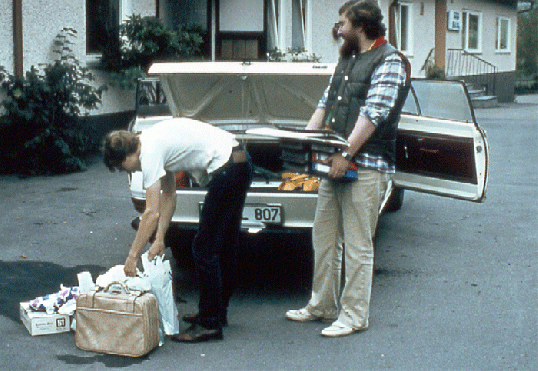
<point>238,156</point>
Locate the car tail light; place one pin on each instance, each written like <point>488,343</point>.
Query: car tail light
<point>182,180</point>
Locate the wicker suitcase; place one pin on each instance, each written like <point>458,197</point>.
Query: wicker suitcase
<point>117,321</point>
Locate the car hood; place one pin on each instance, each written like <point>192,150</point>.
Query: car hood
<point>260,93</point>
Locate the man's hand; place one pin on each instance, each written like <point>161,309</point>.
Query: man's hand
<point>130,266</point>
<point>339,166</point>
<point>157,248</point>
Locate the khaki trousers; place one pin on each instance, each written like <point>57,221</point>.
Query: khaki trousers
<point>346,212</point>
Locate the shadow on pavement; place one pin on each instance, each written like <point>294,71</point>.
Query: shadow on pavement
<point>267,264</point>
<point>26,280</point>
<point>105,359</point>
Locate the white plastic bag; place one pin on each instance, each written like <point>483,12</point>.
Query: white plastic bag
<point>159,274</point>
<point>117,274</point>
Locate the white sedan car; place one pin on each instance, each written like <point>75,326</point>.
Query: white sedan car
<point>440,147</point>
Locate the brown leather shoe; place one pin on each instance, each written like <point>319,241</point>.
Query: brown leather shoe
<point>197,333</point>
<point>193,319</point>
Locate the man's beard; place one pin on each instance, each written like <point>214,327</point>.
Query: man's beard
<point>349,47</point>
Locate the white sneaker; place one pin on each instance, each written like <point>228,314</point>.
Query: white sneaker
<point>302,315</point>
<point>339,329</point>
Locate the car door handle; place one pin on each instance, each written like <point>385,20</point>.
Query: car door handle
<point>432,151</point>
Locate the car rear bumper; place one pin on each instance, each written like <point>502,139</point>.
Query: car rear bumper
<point>297,209</point>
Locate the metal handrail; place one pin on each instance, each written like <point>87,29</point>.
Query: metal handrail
<point>429,60</point>
<point>460,63</point>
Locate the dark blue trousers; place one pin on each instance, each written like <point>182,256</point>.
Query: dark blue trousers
<point>215,244</point>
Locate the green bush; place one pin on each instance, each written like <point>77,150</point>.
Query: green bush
<point>526,84</point>
<point>40,129</point>
<point>433,72</point>
<point>143,40</point>
<point>527,40</point>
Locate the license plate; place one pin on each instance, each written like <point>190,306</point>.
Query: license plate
<point>262,213</point>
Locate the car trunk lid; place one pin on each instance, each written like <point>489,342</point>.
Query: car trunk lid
<point>244,94</point>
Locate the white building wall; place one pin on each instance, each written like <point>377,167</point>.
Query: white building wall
<point>422,34</point>
<point>43,20</point>
<point>319,24</point>
<point>490,11</point>
<point>114,99</point>
<point>324,14</point>
<point>6,35</point>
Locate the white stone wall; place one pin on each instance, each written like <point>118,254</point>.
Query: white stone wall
<point>490,11</point>
<point>43,20</point>
<point>6,35</point>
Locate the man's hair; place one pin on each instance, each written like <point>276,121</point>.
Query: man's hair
<point>367,14</point>
<point>117,145</point>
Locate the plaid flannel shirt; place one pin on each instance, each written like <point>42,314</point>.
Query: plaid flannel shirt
<point>382,95</point>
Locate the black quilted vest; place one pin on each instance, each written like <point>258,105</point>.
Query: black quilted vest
<point>348,93</point>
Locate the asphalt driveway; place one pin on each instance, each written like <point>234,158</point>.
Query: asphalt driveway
<point>455,285</point>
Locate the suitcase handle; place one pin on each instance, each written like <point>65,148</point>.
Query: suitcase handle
<point>124,289</point>
<point>131,297</point>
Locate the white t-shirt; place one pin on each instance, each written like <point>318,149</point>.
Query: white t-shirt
<point>183,144</point>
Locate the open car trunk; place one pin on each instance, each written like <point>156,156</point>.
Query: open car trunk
<point>239,96</point>
<point>440,148</point>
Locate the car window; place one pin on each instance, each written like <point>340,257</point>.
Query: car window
<point>150,99</point>
<point>443,100</point>
<point>410,106</point>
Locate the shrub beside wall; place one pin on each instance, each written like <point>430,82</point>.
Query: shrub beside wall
<point>40,128</point>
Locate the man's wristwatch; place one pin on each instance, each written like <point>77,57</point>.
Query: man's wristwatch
<point>346,156</point>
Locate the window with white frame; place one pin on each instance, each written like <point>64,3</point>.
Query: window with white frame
<point>273,37</point>
<point>502,42</point>
<point>298,23</point>
<point>404,29</point>
<point>295,24</point>
<point>472,31</point>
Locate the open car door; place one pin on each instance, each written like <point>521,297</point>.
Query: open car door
<point>440,148</point>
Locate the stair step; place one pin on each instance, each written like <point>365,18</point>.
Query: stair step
<point>476,93</point>
<point>485,101</point>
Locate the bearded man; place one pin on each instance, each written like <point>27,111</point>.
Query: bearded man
<point>363,103</point>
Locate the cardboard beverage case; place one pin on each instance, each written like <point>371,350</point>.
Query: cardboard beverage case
<point>306,157</point>
<point>41,323</point>
<point>117,321</point>
<point>304,151</point>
